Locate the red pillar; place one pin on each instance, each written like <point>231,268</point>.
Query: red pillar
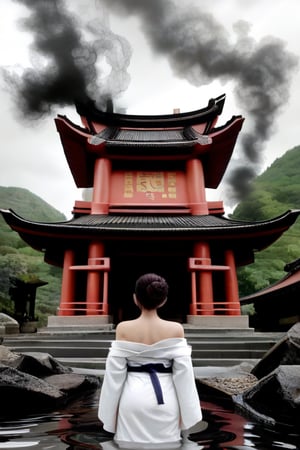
<point>231,286</point>
<point>196,187</point>
<point>202,287</point>
<point>100,201</point>
<point>94,287</point>
<point>66,307</point>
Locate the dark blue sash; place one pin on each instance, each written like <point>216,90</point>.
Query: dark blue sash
<point>152,369</point>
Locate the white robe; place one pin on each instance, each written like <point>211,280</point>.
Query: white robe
<point>128,406</point>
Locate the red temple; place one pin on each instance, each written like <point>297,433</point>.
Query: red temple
<point>149,213</point>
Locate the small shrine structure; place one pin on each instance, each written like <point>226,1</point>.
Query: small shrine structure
<point>22,292</point>
<point>149,213</point>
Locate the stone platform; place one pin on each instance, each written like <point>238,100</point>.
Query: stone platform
<point>104,322</point>
<point>220,322</point>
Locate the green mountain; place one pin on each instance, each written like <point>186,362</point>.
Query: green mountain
<point>274,192</point>
<point>18,260</point>
<point>28,205</point>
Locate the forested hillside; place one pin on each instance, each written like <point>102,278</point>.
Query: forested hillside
<point>19,260</point>
<point>274,192</point>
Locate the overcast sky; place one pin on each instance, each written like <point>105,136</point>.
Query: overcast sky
<point>151,56</point>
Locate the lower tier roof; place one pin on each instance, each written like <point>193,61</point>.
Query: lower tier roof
<point>244,238</point>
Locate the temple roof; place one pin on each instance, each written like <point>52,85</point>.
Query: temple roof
<point>242,237</point>
<point>82,147</point>
<point>132,137</point>
<point>207,115</point>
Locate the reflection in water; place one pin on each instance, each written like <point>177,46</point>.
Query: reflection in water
<point>77,428</point>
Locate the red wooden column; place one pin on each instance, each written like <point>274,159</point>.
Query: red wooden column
<point>66,307</point>
<point>202,287</point>
<point>233,306</point>
<point>94,288</point>
<point>100,205</point>
<point>196,187</point>
<point>101,191</point>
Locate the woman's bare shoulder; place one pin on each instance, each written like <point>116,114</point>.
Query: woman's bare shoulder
<point>123,327</point>
<point>174,328</point>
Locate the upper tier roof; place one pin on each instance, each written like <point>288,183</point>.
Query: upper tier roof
<point>172,137</point>
<point>213,109</point>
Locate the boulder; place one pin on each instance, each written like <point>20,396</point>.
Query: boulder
<point>21,392</point>
<point>269,391</point>
<point>39,364</point>
<point>73,384</point>
<point>285,352</point>
<point>10,325</point>
<point>35,382</point>
<point>6,356</point>
<point>275,398</point>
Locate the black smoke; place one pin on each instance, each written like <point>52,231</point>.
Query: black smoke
<point>66,56</point>
<point>200,50</point>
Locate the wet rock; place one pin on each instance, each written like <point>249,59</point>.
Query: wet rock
<point>275,398</point>
<point>34,382</point>
<point>20,392</point>
<point>72,383</point>
<point>269,392</point>
<point>34,363</point>
<point>39,364</point>
<point>286,351</point>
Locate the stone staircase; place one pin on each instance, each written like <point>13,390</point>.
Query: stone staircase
<point>87,349</point>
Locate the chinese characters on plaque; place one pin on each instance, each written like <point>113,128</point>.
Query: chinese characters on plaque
<point>153,186</point>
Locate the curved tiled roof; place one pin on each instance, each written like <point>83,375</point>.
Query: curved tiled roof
<point>155,224</point>
<point>214,108</point>
<point>172,223</point>
<point>242,237</point>
<point>82,148</point>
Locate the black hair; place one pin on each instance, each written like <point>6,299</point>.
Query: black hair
<point>151,290</point>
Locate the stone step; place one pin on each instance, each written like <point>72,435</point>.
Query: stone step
<point>215,351</point>
<point>88,348</point>
<point>106,342</point>
<point>109,336</point>
<point>103,346</point>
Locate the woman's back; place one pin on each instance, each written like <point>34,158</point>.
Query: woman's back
<point>148,330</point>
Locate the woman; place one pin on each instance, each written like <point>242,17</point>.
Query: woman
<point>149,396</point>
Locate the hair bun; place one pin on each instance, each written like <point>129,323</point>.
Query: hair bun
<point>151,290</point>
<point>157,290</point>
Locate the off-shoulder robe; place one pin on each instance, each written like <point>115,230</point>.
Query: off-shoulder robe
<point>128,406</point>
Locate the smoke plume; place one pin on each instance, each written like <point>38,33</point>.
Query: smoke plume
<point>200,50</point>
<point>67,56</point>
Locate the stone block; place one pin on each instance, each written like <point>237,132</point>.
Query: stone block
<point>227,322</point>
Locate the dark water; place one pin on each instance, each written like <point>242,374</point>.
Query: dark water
<point>76,427</point>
